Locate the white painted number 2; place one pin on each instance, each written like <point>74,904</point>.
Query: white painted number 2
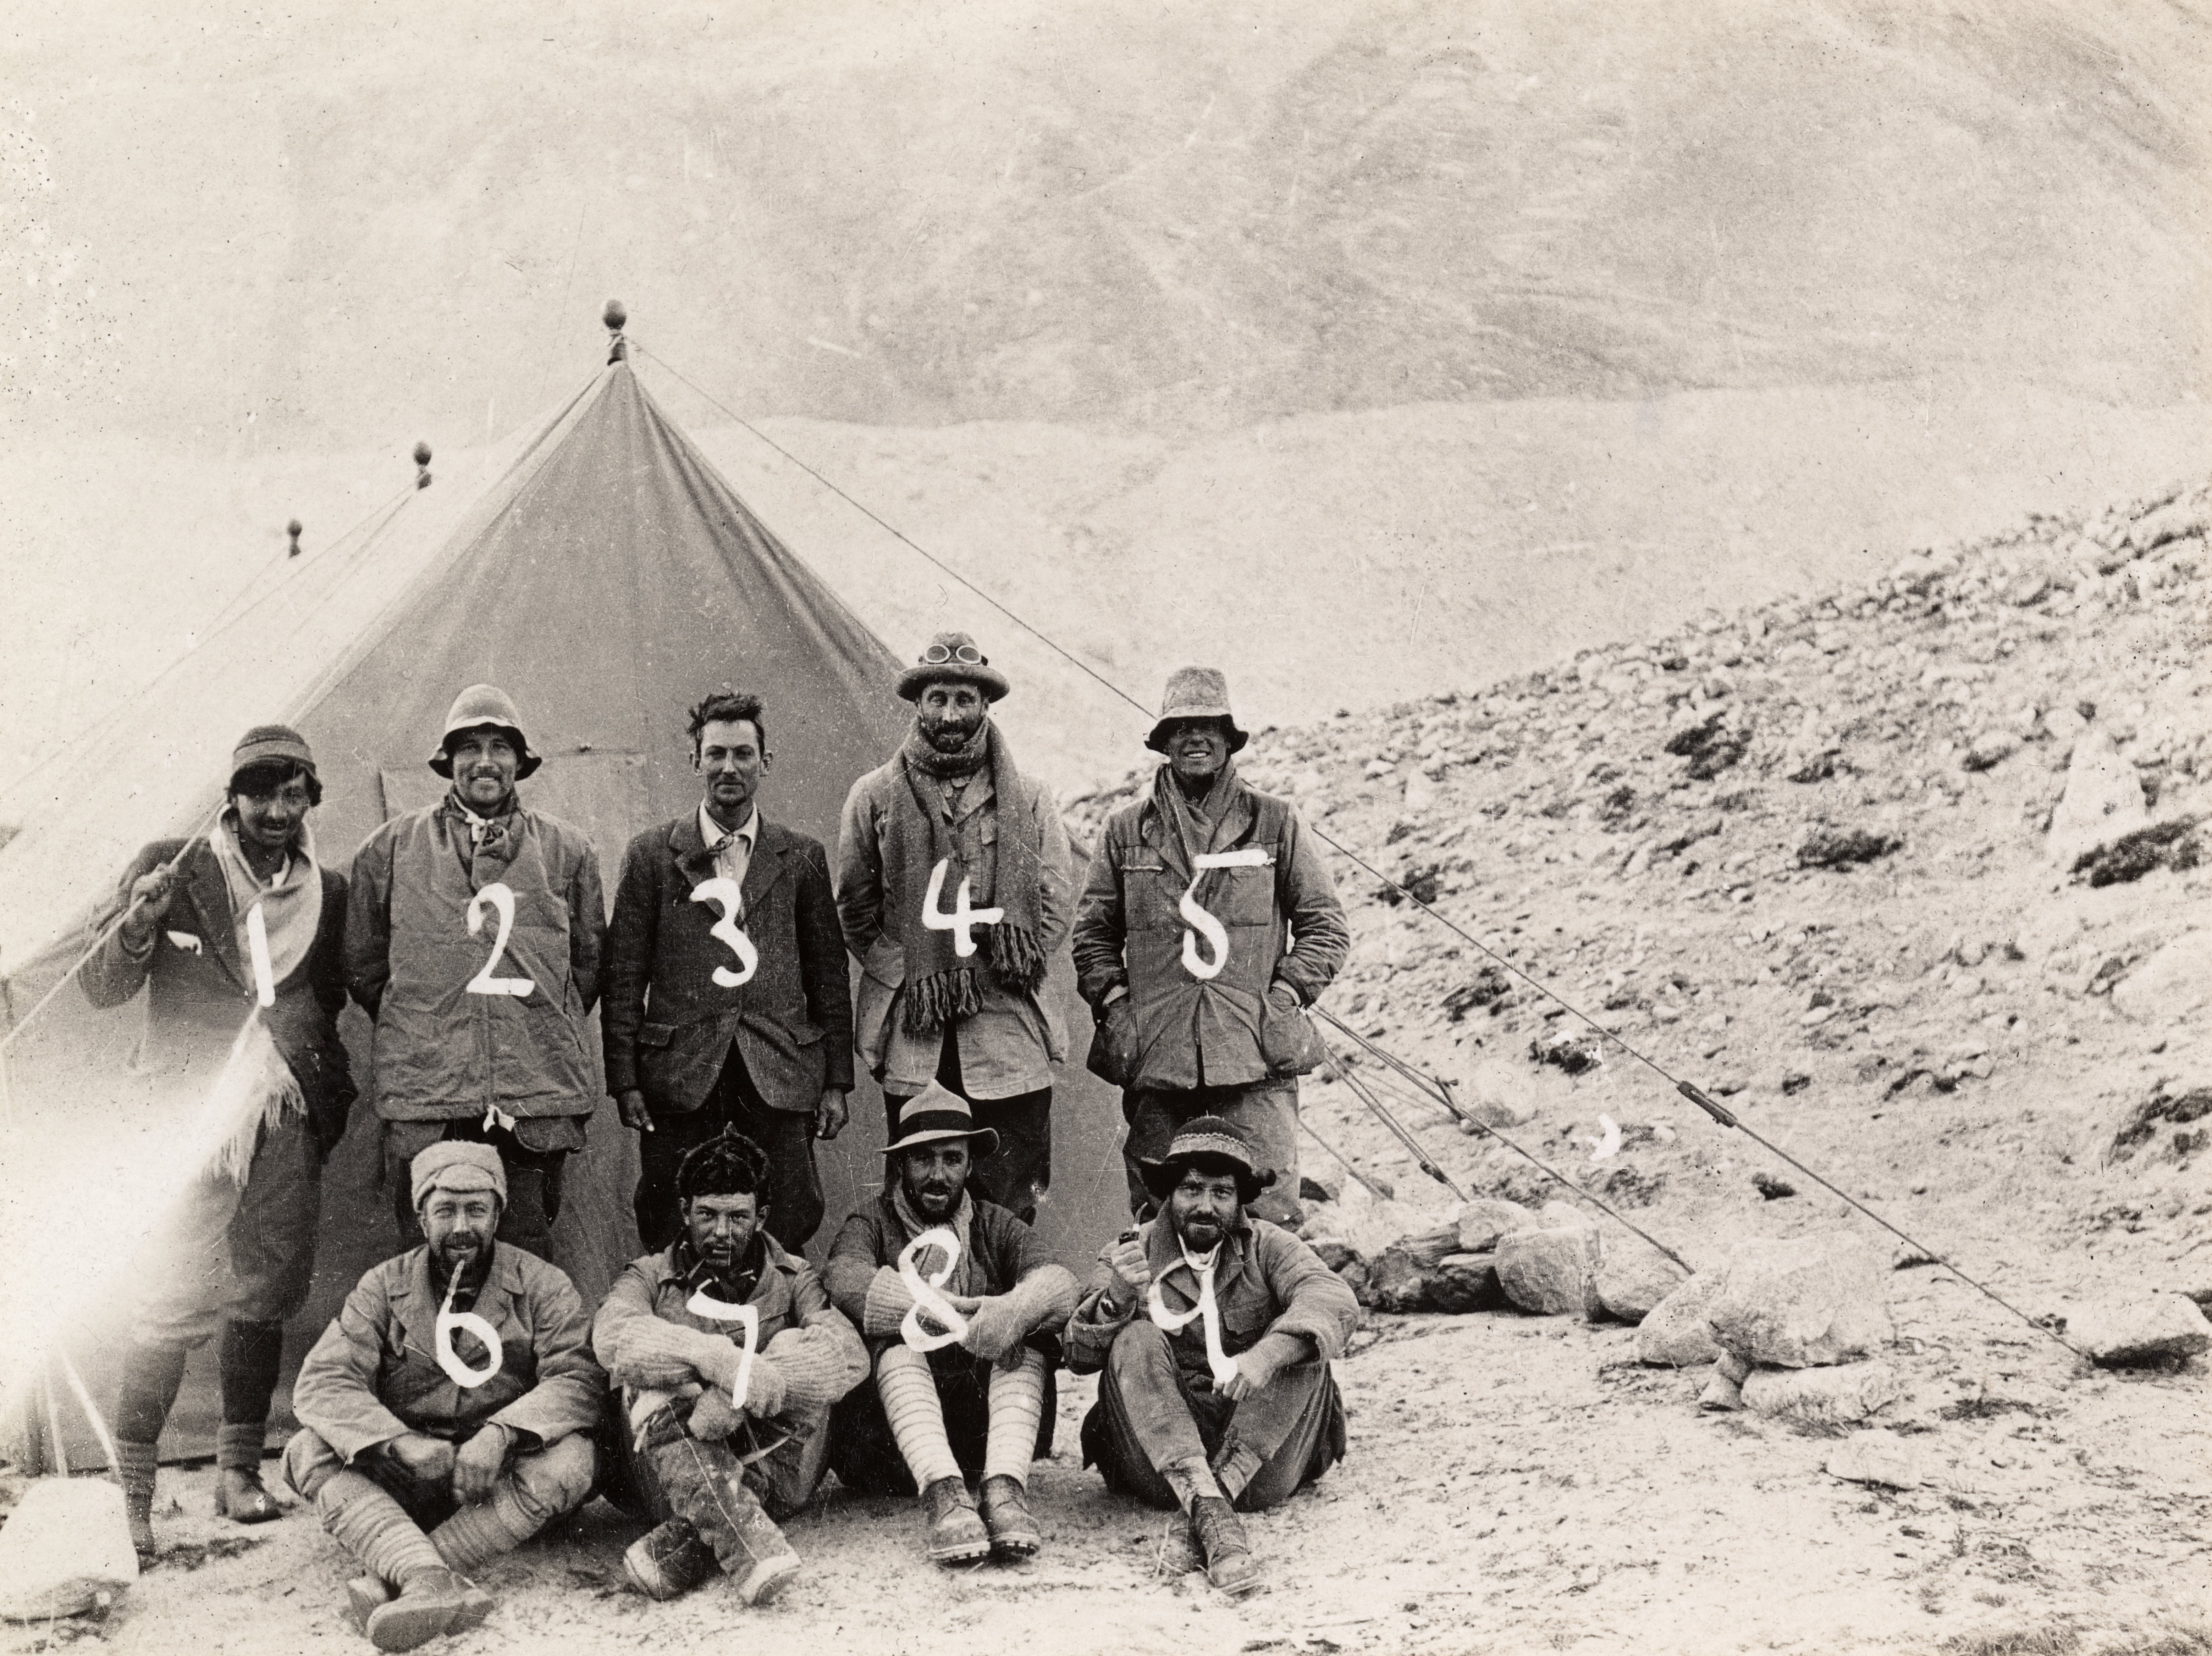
<point>725,896</point>
<point>257,942</point>
<point>1203,923</point>
<point>963,919</point>
<point>499,896</point>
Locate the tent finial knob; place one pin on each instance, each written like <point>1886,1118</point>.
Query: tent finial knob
<point>422,465</point>
<point>293,530</point>
<point>615,317</point>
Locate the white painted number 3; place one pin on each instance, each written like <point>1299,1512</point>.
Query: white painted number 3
<point>1202,922</point>
<point>725,896</point>
<point>963,919</point>
<point>499,896</point>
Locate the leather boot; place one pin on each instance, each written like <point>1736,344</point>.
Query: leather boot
<point>1005,1507</point>
<point>135,1467</point>
<point>240,1495</point>
<point>668,1560</point>
<point>1229,1561</point>
<point>430,1603</point>
<point>957,1535</point>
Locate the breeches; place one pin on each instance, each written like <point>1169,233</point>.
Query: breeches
<point>244,1254</point>
<point>550,1481</point>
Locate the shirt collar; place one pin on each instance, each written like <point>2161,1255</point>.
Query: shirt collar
<point>711,832</point>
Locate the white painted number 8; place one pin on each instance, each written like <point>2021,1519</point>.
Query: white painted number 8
<point>725,896</point>
<point>1202,922</point>
<point>502,899</point>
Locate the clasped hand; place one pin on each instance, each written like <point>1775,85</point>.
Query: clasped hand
<point>471,1471</point>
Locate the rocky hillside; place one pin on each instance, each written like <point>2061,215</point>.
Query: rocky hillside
<point>1833,860</point>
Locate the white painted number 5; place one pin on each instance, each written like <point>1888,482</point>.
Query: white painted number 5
<point>502,899</point>
<point>725,896</point>
<point>1201,921</point>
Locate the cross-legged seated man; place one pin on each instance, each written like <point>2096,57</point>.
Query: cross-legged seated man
<point>454,1393</point>
<point>960,1365</point>
<point>723,1445</point>
<point>1212,1332</point>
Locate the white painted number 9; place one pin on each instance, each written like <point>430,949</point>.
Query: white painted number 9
<point>725,896</point>
<point>502,899</point>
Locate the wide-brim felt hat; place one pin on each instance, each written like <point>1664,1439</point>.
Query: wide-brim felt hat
<point>948,667</point>
<point>935,1115</point>
<point>1196,693</point>
<point>1207,1137</point>
<point>480,707</point>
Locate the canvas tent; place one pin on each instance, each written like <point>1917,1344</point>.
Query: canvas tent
<point>601,571</point>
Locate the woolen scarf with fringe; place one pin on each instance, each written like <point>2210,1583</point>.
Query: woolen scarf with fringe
<point>941,986</point>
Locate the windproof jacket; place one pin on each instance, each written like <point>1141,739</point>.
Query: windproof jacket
<point>445,1051</point>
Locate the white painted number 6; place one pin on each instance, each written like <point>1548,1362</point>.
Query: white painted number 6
<point>500,898</point>
<point>459,1373</point>
<point>1216,934</point>
<point>725,896</point>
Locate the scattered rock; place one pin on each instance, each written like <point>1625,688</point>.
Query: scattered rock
<point>2162,1329</point>
<point>2103,801</point>
<point>1770,1188</point>
<point>1314,1190</point>
<point>1798,1304</point>
<point>2173,984</point>
<point>1821,1397</point>
<point>1547,1271</point>
<point>1675,1333</point>
<point>1485,1220</point>
<point>2174,845</point>
<point>65,1551</point>
<point>1988,750</point>
<point>1846,848</point>
<point>1711,743</point>
<point>1633,1278</point>
<point>1464,1282</point>
<point>1722,1394</point>
<point>1572,1050</point>
<point>1877,1457</point>
<point>2162,1109</point>
<point>1489,988</point>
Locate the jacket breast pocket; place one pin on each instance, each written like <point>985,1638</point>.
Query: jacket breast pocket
<point>1149,889</point>
<point>655,1034</point>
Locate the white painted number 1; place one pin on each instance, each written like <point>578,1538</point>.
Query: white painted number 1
<point>963,919</point>
<point>502,899</point>
<point>725,896</point>
<point>1216,934</point>
<point>257,943</point>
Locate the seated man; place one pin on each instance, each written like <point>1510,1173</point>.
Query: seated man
<point>719,1474</point>
<point>1214,1331</point>
<point>411,1418</point>
<point>960,1368</point>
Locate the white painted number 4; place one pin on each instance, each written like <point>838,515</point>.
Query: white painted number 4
<point>725,896</point>
<point>963,919</point>
<point>499,896</point>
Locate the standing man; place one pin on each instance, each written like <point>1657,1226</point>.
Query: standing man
<point>703,1035</point>
<point>722,1446</point>
<point>953,885</point>
<point>960,1361</point>
<point>1212,1333</point>
<point>454,1391</point>
<point>239,1252</point>
<point>1206,1015</point>
<point>472,939</point>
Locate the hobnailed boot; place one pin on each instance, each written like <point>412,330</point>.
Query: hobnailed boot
<point>668,1560</point>
<point>430,1603</point>
<point>1004,1508</point>
<point>957,1535</point>
<point>135,1464</point>
<point>240,1495</point>
<point>1229,1561</point>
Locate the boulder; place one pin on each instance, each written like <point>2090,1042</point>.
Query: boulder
<point>2173,984</point>
<point>1633,1278</point>
<point>1802,1304</point>
<point>1547,1269</point>
<point>1877,1457</point>
<point>1673,1333</point>
<point>2163,1328</point>
<point>65,1549</point>
<point>1396,1281</point>
<point>2103,800</point>
<point>1466,1281</point>
<point>1821,1397</point>
<point>1485,1219</point>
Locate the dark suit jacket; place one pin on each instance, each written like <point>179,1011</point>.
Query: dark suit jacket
<point>668,1025</point>
<point>199,989</point>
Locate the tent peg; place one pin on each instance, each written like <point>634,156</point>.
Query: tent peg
<point>614,317</point>
<point>422,465</point>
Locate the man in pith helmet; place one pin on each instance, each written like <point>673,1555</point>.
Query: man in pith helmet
<point>473,932</point>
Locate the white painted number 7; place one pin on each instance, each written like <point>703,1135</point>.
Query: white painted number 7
<point>502,899</point>
<point>724,893</point>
